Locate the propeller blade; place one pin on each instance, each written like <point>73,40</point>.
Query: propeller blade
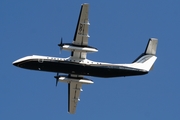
<point>61,42</point>
<point>56,82</point>
<point>60,51</point>
<point>60,45</point>
<point>57,78</point>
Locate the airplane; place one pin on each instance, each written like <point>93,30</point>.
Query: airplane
<point>77,65</point>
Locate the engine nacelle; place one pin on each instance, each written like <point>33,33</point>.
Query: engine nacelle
<point>78,48</point>
<point>79,80</point>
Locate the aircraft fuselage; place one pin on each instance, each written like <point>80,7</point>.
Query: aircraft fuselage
<point>69,66</point>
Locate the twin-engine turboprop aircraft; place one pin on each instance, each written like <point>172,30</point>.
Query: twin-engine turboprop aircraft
<point>77,65</point>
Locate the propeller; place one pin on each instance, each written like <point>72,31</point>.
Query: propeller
<point>57,78</point>
<point>61,44</point>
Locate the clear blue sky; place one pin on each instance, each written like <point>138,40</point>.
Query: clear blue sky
<point>120,30</point>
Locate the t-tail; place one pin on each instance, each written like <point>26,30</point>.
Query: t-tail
<point>147,59</point>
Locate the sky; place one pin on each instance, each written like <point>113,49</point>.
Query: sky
<point>120,29</point>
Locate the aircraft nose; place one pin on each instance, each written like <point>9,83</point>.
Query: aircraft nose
<point>19,62</point>
<point>15,63</point>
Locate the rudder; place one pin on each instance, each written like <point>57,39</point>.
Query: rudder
<point>151,47</point>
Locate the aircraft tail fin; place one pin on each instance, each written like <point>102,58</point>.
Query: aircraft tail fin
<point>151,46</point>
<point>146,60</point>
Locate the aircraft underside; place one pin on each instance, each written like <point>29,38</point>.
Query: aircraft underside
<point>80,69</point>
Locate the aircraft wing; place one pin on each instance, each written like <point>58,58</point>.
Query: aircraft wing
<point>81,34</point>
<point>74,89</point>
